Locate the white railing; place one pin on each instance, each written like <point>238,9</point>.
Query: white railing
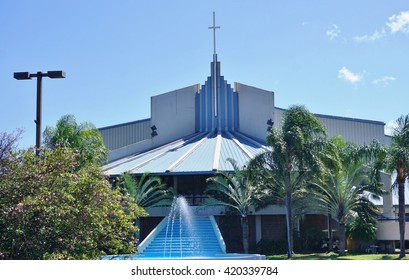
<point>145,243</point>
<point>218,234</point>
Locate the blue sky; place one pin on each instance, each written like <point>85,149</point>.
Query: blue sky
<point>344,58</point>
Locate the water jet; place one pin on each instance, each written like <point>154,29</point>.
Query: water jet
<point>184,235</point>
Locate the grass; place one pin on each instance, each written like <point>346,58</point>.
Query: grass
<point>334,256</point>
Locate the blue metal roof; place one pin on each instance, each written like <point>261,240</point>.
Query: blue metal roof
<point>200,153</point>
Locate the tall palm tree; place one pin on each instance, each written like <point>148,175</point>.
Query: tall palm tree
<point>294,157</point>
<point>238,191</point>
<point>332,161</point>
<point>344,193</point>
<point>394,159</point>
<point>397,160</point>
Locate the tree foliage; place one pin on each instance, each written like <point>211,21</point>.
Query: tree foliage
<point>347,188</point>
<point>50,209</point>
<point>147,191</point>
<point>363,225</point>
<point>396,160</point>
<point>83,137</point>
<point>345,193</point>
<point>295,156</point>
<point>238,191</point>
<point>8,143</point>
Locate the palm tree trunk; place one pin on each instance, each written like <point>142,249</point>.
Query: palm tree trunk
<point>289,222</point>
<point>342,239</point>
<point>245,230</point>
<point>330,241</point>
<point>401,217</point>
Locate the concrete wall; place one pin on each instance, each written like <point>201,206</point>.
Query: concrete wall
<point>387,205</point>
<point>389,230</point>
<point>256,106</point>
<point>173,114</point>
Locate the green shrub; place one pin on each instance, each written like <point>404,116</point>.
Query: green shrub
<point>51,210</point>
<point>271,247</point>
<point>309,240</point>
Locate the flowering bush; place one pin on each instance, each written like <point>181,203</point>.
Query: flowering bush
<point>50,209</point>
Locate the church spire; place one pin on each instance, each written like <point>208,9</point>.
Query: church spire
<point>214,27</point>
<point>217,102</point>
<point>215,74</point>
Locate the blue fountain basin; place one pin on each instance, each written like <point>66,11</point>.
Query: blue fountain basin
<point>160,256</point>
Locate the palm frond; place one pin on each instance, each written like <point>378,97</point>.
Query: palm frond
<point>147,191</point>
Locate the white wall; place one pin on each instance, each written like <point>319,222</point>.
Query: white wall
<point>256,106</point>
<point>173,114</point>
<point>389,230</point>
<point>387,208</point>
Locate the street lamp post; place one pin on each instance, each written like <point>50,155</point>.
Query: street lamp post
<point>39,76</point>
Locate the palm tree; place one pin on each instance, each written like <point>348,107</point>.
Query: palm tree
<point>84,138</point>
<point>394,159</point>
<point>363,226</point>
<point>294,157</point>
<point>332,161</point>
<point>345,193</point>
<point>147,191</point>
<point>397,161</point>
<point>238,191</point>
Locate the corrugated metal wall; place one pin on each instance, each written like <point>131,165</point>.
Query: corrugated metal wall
<point>352,130</point>
<point>121,135</point>
<point>355,131</point>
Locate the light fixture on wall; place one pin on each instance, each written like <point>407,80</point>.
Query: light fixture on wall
<point>153,131</point>
<point>270,124</point>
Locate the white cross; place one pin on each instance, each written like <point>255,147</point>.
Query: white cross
<point>214,27</point>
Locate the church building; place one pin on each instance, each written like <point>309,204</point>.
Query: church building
<point>191,133</point>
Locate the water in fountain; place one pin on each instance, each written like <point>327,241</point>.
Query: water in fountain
<point>180,232</point>
<point>185,236</point>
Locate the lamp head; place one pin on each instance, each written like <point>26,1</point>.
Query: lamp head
<point>22,76</point>
<point>56,74</point>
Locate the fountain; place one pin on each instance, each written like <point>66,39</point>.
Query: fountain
<point>180,235</point>
<point>184,235</point>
